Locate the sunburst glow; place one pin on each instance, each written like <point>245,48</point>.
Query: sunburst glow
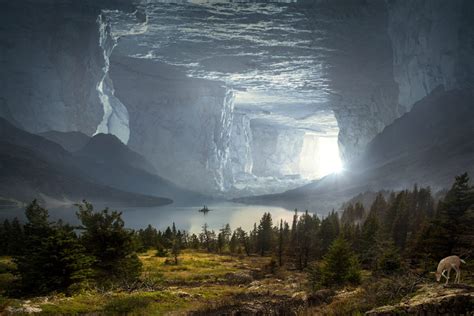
<point>329,159</point>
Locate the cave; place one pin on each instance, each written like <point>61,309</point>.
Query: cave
<point>231,98</point>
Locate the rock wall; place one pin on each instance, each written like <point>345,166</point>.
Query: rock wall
<point>182,125</point>
<point>432,44</point>
<point>241,146</point>
<point>384,56</point>
<point>276,150</point>
<point>115,118</point>
<point>362,91</point>
<point>51,63</point>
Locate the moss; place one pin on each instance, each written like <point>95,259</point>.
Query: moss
<point>128,303</point>
<point>84,303</point>
<point>6,264</point>
<point>202,275</point>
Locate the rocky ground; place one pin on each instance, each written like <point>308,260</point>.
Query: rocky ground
<point>433,299</point>
<point>212,284</point>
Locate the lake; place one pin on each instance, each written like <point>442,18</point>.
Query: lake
<point>185,217</point>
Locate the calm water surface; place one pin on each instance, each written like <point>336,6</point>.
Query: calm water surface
<point>185,217</point>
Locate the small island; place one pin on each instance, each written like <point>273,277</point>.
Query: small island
<point>204,210</point>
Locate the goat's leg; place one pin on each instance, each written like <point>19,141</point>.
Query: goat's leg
<point>447,278</point>
<point>458,275</point>
<point>443,274</point>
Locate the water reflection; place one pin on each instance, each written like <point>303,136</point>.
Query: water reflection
<point>185,217</point>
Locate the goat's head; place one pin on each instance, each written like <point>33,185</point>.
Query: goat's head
<point>438,276</point>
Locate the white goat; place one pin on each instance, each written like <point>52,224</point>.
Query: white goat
<point>446,264</point>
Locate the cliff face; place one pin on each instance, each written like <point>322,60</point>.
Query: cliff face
<point>61,70</point>
<point>276,151</point>
<point>182,125</point>
<point>50,65</point>
<point>241,145</point>
<point>363,93</point>
<point>385,56</point>
<point>432,43</point>
<point>428,145</point>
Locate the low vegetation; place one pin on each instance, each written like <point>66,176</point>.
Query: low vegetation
<point>335,265</point>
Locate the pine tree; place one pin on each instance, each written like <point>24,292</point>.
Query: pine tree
<point>223,238</point>
<point>293,248</point>
<point>52,258</point>
<point>280,244</point>
<point>329,230</point>
<point>400,225</point>
<point>340,265</point>
<point>207,238</point>
<point>369,233</point>
<point>105,237</point>
<point>176,246</point>
<point>243,240</point>
<point>452,225</point>
<point>265,234</point>
<point>388,258</point>
<point>148,237</point>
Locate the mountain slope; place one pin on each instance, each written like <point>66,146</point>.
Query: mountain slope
<point>34,167</point>
<point>107,148</point>
<point>107,160</point>
<point>428,145</point>
<point>71,141</point>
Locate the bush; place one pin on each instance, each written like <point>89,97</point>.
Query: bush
<point>389,290</point>
<point>161,252</point>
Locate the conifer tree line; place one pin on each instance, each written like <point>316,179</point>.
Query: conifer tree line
<point>409,224</point>
<point>54,256</point>
<point>399,229</point>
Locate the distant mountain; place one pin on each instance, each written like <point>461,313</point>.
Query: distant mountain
<point>428,145</point>
<point>107,148</point>
<point>71,141</point>
<point>34,167</point>
<point>107,160</point>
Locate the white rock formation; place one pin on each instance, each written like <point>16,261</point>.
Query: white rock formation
<point>275,150</point>
<point>115,119</point>
<point>241,146</point>
<point>182,125</point>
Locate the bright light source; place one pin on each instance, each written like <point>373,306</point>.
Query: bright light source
<point>319,156</point>
<point>329,160</point>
